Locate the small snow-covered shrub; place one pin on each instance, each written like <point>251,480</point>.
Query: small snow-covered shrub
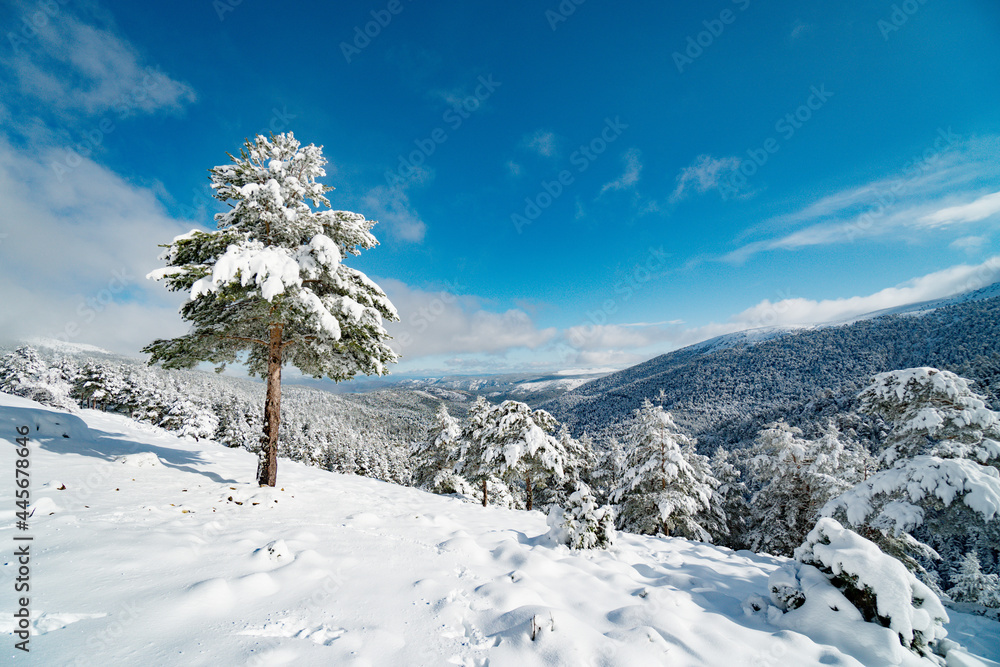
<point>973,586</point>
<point>878,585</point>
<point>582,524</point>
<point>786,589</point>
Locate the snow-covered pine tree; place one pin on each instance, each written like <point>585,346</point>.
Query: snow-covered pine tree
<point>514,443</point>
<point>609,469</point>
<point>579,463</point>
<point>23,372</point>
<point>661,489</point>
<point>795,477</point>
<point>943,447</point>
<point>435,458</point>
<point>472,448</point>
<point>269,286</point>
<point>971,585</point>
<point>729,500</point>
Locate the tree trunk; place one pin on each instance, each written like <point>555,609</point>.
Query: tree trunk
<point>267,466</point>
<point>484,492</point>
<point>527,486</point>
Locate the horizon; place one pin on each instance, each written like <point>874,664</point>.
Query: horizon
<point>569,190</point>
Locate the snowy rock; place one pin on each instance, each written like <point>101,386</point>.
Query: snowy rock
<point>276,551</point>
<point>139,460</point>
<point>44,506</point>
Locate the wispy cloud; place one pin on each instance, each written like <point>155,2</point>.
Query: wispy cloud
<point>703,174</point>
<point>633,170</point>
<point>942,186</point>
<point>541,142</point>
<point>971,245</point>
<point>393,209</point>
<point>799,29</point>
<point>76,65</point>
<point>980,209</point>
<point>592,343</point>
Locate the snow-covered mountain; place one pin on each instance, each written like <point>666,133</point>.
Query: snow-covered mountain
<point>529,387</point>
<point>725,389</point>
<point>148,549</point>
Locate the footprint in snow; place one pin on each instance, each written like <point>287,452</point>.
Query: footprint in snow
<point>43,622</point>
<point>139,460</point>
<point>295,628</point>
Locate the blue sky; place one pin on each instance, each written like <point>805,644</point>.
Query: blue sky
<point>558,185</point>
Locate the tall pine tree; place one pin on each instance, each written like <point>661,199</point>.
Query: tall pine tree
<point>269,286</point>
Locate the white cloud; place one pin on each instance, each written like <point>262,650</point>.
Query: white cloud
<point>938,285</point>
<point>980,209</point>
<point>542,142</point>
<point>919,198</point>
<point>591,344</point>
<point>75,66</point>
<point>445,322</point>
<point>970,244</point>
<point>703,175</point>
<point>392,208</point>
<point>75,254</point>
<point>799,29</point>
<point>633,169</point>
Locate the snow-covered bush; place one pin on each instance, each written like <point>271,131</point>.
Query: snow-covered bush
<point>579,466</point>
<point>877,585</point>
<point>581,524</point>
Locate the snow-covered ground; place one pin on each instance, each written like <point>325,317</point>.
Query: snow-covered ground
<point>159,551</point>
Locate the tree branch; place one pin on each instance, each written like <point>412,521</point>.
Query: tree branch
<point>248,340</point>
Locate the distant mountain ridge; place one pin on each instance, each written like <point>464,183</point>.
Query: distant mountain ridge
<point>725,389</point>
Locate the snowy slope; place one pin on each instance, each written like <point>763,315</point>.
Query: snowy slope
<point>159,552</point>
